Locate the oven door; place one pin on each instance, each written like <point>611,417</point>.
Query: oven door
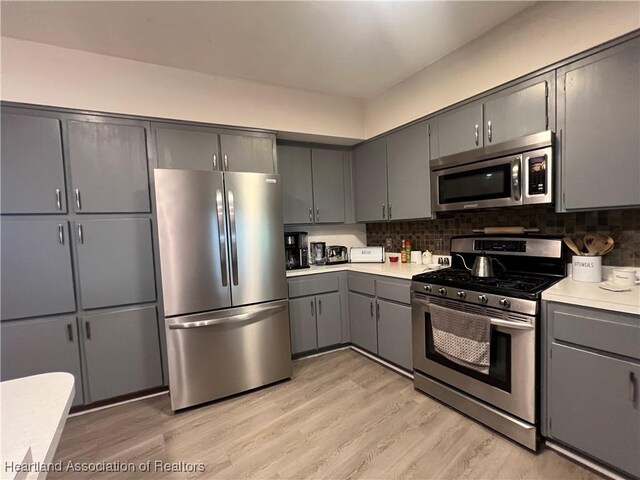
<point>486,184</point>
<point>510,383</point>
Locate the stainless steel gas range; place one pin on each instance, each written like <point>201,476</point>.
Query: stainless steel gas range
<point>506,398</point>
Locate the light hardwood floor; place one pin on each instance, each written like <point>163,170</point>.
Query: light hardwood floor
<point>342,416</point>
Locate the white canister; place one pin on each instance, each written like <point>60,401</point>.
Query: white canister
<point>587,268</point>
<point>416,256</point>
<point>625,276</point>
<point>427,257</point>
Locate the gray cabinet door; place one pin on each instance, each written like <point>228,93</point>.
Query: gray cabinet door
<point>370,170</point>
<point>247,154</point>
<point>32,347</point>
<point>516,114</point>
<point>328,186</point>
<point>593,405</point>
<point>115,261</point>
<point>187,148</point>
<point>122,351</point>
<point>37,278</point>
<point>599,118</point>
<point>294,165</point>
<point>362,322</point>
<point>459,130</point>
<point>302,315</point>
<point>329,319</point>
<point>32,170</point>
<point>394,333</point>
<point>408,173</point>
<point>108,167</point>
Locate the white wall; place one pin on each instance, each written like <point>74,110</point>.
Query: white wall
<point>539,36</point>
<point>49,75</point>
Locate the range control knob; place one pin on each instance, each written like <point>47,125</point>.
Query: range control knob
<point>427,288</point>
<point>462,294</point>
<point>442,290</point>
<point>483,298</point>
<point>504,303</point>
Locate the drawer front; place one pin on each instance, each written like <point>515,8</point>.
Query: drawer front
<point>396,290</point>
<point>362,283</point>
<point>598,329</point>
<point>313,285</point>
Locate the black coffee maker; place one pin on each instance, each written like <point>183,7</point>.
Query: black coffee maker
<point>296,250</point>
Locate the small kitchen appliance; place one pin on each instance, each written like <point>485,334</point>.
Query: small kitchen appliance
<point>296,250</point>
<point>337,254</point>
<point>506,398</point>
<point>366,255</point>
<point>318,253</point>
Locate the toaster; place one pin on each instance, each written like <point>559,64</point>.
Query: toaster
<point>337,254</point>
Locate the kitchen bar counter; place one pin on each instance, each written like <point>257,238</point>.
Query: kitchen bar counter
<point>387,269</point>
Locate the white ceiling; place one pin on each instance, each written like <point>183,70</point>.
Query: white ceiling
<point>355,49</point>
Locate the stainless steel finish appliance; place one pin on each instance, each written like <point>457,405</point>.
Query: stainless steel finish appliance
<point>318,253</point>
<point>223,282</point>
<point>505,398</point>
<point>513,173</point>
<point>366,254</point>
<point>337,254</point>
<point>296,250</point>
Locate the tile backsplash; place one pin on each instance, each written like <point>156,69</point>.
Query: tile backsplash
<point>622,225</point>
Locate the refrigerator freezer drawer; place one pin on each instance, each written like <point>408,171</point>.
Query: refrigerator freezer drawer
<point>216,354</point>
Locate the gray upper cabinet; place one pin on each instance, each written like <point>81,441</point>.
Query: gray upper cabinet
<point>32,169</point>
<point>37,277</point>
<point>108,167</point>
<point>115,261</point>
<point>599,118</point>
<point>297,195</point>
<point>328,319</point>
<point>458,130</point>
<point>33,347</point>
<point>328,186</point>
<point>370,166</point>
<point>188,148</point>
<point>408,173</point>
<point>362,321</point>
<point>302,312</point>
<point>394,333</point>
<point>513,114</point>
<point>122,352</point>
<point>243,153</point>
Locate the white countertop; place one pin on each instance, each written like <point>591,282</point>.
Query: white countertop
<point>34,411</point>
<point>591,295</point>
<point>387,269</point>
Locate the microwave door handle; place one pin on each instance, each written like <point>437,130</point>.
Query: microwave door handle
<point>516,184</point>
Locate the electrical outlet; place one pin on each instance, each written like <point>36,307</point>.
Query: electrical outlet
<point>439,244</point>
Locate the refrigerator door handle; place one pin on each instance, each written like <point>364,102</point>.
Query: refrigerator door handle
<point>240,318</point>
<point>222,238</point>
<point>234,239</point>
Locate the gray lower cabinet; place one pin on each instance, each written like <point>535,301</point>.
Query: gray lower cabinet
<point>458,131</point>
<point>599,120</point>
<point>294,166</point>
<point>302,316</point>
<point>31,163</point>
<point>370,181</point>
<point>115,261</point>
<point>328,186</point>
<point>362,320</point>
<point>394,333</point>
<point>122,352</point>
<point>328,319</point>
<point>108,167</point>
<point>244,153</point>
<point>32,347</point>
<point>185,147</point>
<point>408,173</point>
<point>37,276</point>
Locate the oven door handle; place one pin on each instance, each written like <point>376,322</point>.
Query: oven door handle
<point>508,324</point>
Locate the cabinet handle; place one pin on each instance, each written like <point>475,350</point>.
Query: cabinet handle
<point>78,202</point>
<point>60,234</point>
<point>317,214</point>
<point>371,309</point>
<point>377,311</point>
<point>477,135</point>
<point>70,332</point>
<point>632,387</point>
<point>80,234</point>
<point>312,310</point>
<point>87,326</point>
<point>489,131</point>
<point>383,210</point>
<point>389,210</point>
<point>310,215</point>
<point>215,161</point>
<point>226,162</point>
<point>58,199</point>
<point>319,307</point>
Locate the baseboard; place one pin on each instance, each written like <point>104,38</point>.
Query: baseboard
<point>583,461</point>
<point>382,362</point>
<point>116,404</point>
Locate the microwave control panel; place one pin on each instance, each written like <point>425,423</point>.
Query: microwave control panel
<point>537,175</point>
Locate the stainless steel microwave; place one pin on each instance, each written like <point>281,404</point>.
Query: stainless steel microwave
<point>518,172</point>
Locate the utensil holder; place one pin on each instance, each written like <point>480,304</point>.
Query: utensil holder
<point>587,268</point>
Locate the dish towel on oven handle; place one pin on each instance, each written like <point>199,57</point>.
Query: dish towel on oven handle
<point>461,337</point>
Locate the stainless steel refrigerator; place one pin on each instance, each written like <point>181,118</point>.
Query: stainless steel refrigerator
<point>223,282</point>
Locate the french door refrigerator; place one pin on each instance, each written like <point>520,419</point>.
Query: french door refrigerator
<point>223,282</point>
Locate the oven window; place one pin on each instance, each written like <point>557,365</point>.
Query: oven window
<point>481,184</point>
<point>499,358</point>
